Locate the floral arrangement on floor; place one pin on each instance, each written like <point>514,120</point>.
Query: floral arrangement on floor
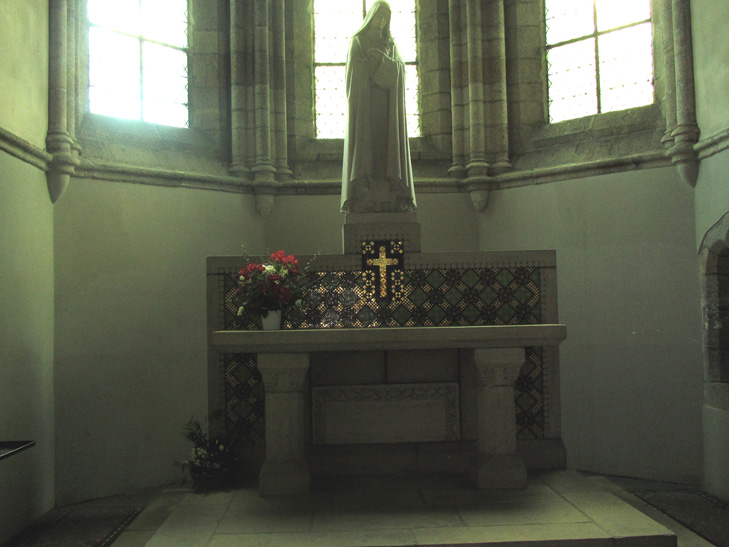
<point>271,285</point>
<point>212,461</point>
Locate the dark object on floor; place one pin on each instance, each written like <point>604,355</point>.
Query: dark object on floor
<point>78,526</point>
<point>706,516</point>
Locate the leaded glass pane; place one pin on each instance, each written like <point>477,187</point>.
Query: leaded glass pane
<point>567,19</point>
<point>152,87</point>
<point>121,15</point>
<point>402,27</point>
<point>165,84</point>
<point>165,21</point>
<point>626,68</point>
<point>616,13</point>
<point>331,101</point>
<point>338,6</point>
<point>334,24</point>
<point>113,74</point>
<point>411,100</point>
<point>165,113</point>
<point>572,77</point>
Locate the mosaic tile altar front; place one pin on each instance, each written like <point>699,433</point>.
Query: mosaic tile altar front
<point>500,295</point>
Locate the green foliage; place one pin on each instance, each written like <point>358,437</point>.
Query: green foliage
<point>210,457</point>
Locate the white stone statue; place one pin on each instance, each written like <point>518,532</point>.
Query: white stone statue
<point>377,174</point>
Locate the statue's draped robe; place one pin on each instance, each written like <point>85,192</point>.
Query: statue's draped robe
<point>377,173</point>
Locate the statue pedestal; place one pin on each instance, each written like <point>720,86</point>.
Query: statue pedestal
<point>360,227</point>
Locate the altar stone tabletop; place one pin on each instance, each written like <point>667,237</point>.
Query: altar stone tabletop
<point>341,339</point>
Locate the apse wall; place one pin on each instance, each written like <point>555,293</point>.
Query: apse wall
<point>26,269</point>
<point>313,224</point>
<point>131,346</point>
<point>628,293</point>
<point>26,344</point>
<point>712,205</point>
<point>130,311</point>
<point>627,271</point>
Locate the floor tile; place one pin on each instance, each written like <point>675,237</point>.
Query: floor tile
<point>614,515</point>
<point>521,513</point>
<point>390,518</point>
<point>134,538</point>
<point>591,535</point>
<point>238,521</point>
<point>567,481</point>
<point>538,493</point>
<point>190,524</point>
<point>156,512</point>
<point>317,539</point>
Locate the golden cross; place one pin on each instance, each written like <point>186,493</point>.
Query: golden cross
<point>383,262</point>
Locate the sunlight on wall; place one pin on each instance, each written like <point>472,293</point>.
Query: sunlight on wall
<point>138,60</point>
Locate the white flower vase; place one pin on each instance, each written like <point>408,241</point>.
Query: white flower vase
<point>272,320</point>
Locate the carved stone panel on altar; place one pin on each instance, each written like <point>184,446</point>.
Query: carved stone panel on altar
<point>385,413</point>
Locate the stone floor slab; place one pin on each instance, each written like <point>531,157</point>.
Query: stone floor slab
<point>617,517</point>
<point>556,509</point>
<point>318,539</point>
<point>583,534</point>
<point>384,518</point>
<point>522,513</point>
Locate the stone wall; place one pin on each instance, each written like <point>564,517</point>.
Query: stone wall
<point>711,210</point>
<point>26,269</point>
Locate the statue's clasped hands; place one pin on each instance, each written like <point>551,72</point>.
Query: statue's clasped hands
<point>374,53</point>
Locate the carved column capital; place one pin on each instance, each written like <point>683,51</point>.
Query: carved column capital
<point>498,366</point>
<point>284,372</point>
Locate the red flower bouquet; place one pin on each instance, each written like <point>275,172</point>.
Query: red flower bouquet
<point>271,285</point>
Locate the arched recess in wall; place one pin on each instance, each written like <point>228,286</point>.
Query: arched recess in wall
<point>714,253</point>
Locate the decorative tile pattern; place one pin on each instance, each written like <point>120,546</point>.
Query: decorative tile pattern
<point>421,298</point>
<point>244,399</point>
<point>529,397</point>
<point>427,298</point>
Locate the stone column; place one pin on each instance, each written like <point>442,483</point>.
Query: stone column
<point>280,132</point>
<point>496,464</point>
<point>497,136</point>
<point>263,169</point>
<point>477,165</point>
<point>457,65</point>
<point>664,20</point>
<point>241,72</point>
<point>258,97</point>
<point>58,141</point>
<point>286,468</point>
<point>686,133</point>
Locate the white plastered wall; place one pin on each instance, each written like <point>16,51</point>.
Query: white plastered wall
<point>26,270</point>
<point>627,274</point>
<point>131,346</point>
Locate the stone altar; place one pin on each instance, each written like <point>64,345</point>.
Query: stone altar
<point>283,359</point>
<point>450,306</point>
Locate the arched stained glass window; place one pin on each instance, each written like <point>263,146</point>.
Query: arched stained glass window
<point>599,56</point>
<point>334,23</point>
<point>138,60</point>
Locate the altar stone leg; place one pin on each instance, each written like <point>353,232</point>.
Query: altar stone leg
<point>285,470</point>
<point>496,464</point>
